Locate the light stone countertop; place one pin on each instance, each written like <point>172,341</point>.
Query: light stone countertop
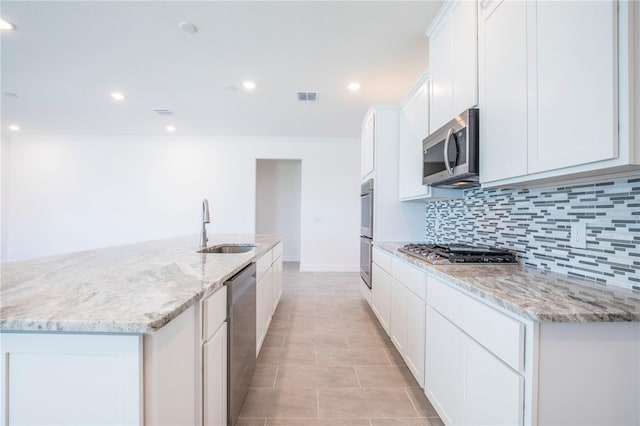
<point>135,288</point>
<point>533,293</point>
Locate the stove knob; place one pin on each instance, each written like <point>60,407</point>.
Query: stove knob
<point>432,256</point>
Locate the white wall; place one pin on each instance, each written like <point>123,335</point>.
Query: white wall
<point>4,191</point>
<point>278,203</point>
<point>68,194</point>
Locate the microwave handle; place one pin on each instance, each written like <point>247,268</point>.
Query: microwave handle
<point>446,151</point>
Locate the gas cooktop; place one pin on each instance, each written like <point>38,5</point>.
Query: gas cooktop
<point>438,254</point>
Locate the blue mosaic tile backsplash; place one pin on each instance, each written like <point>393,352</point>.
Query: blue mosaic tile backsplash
<point>536,224</point>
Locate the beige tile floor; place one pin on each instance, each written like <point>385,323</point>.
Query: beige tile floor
<point>327,362</point>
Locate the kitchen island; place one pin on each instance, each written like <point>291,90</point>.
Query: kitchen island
<point>511,344</point>
<point>120,335</point>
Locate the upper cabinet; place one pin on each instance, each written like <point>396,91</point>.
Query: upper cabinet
<point>453,60</point>
<point>413,128</point>
<point>554,90</point>
<point>368,143</point>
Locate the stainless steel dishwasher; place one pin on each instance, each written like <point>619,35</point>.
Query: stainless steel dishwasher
<point>241,311</point>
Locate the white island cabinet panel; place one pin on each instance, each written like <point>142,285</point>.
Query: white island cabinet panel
<point>64,379</point>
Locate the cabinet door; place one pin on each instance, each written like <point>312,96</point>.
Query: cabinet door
<point>368,142</point>
<point>494,393</point>
<point>277,282</point>
<point>445,367</point>
<point>576,82</point>
<point>441,78</point>
<point>414,127</point>
<point>399,317</point>
<point>72,379</point>
<point>260,308</point>
<point>381,295</point>
<point>503,89</point>
<point>415,337</point>
<point>464,60</point>
<point>215,378</point>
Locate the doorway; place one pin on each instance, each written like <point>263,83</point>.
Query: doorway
<point>278,203</point>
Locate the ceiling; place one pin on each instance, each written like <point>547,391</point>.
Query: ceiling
<point>65,58</point>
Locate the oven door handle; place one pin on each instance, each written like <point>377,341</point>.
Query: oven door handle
<point>446,151</point>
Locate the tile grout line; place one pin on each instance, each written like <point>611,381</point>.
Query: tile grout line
<point>384,350</point>
<point>411,401</point>
<point>355,370</point>
<point>275,378</point>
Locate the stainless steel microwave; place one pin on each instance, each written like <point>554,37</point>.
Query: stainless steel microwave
<point>450,154</point>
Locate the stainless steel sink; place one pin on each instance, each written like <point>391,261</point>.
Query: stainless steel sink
<point>228,248</point>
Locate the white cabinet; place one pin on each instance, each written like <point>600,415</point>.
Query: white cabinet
<point>214,358</point>
<point>453,61</point>
<point>413,128</point>
<point>554,90</point>
<point>398,296</point>
<point>367,145</point>
<point>494,393</point>
<point>70,379</point>
<point>444,368</point>
<point>475,359</point>
<point>503,89</point>
<point>268,291</point>
<point>574,68</point>
<point>215,378</point>
<point>414,353</point>
<point>466,383</point>
<point>393,220</point>
<point>399,316</point>
<point>381,296</point>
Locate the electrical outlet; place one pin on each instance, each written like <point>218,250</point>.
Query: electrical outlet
<point>579,235</point>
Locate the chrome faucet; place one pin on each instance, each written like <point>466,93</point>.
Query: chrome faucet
<point>205,220</point>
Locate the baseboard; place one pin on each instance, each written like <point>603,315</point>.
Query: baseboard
<point>329,268</point>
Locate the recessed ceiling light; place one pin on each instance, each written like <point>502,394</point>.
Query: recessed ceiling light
<point>188,27</point>
<point>14,127</point>
<point>118,96</point>
<point>170,129</point>
<point>6,25</point>
<point>249,85</point>
<point>354,86</point>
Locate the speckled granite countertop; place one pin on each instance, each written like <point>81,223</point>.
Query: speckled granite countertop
<point>535,294</point>
<point>136,288</point>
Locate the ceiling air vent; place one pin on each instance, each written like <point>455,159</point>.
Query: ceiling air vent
<point>163,111</point>
<point>307,96</point>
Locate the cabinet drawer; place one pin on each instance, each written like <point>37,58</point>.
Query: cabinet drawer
<point>263,264</point>
<point>277,252</point>
<point>214,312</point>
<point>412,277</point>
<point>502,335</point>
<point>382,258</point>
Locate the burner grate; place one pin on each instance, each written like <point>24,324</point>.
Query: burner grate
<point>458,253</point>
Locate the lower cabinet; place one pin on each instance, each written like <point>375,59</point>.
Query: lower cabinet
<point>70,379</point>
<point>268,291</point>
<point>401,312</point>
<point>215,378</point>
<point>414,354</point>
<point>444,361</point>
<point>381,296</point>
<point>399,296</point>
<point>466,383</point>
